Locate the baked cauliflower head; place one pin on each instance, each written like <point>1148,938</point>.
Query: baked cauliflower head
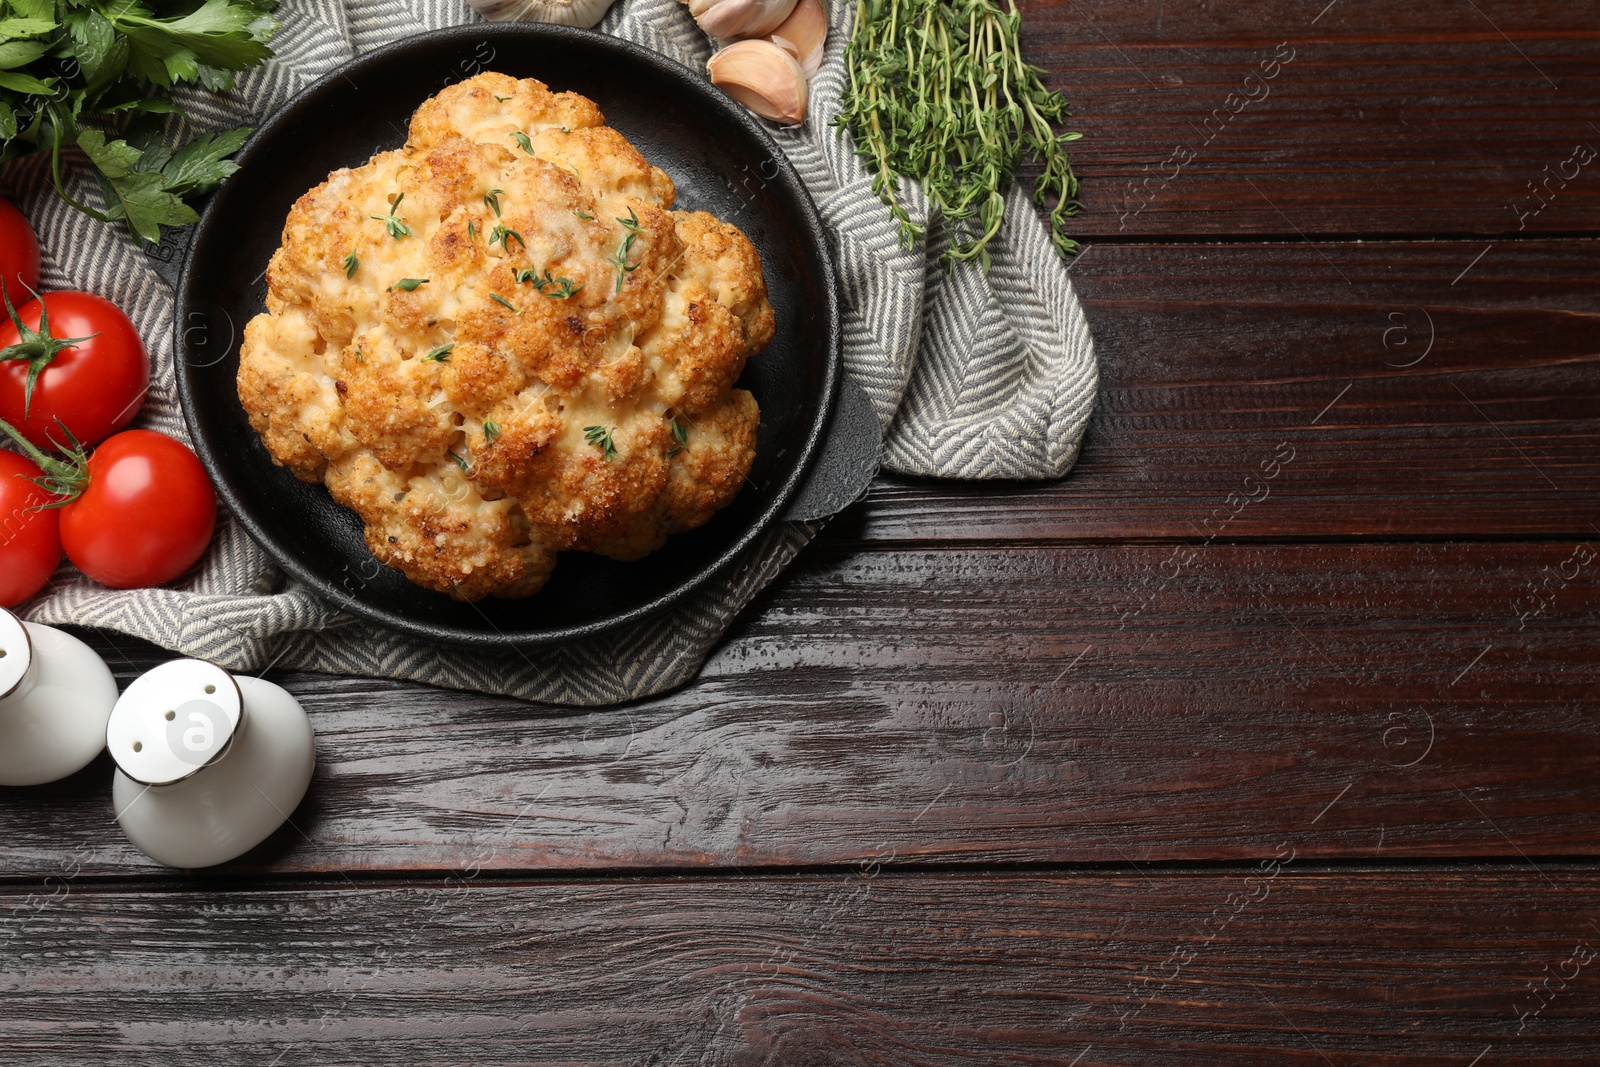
<point>500,342</point>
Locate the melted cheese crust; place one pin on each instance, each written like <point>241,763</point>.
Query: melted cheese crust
<point>474,468</point>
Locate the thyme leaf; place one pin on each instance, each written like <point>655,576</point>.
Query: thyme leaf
<point>408,285</point>
<point>522,140</point>
<point>938,91</point>
<point>503,234</point>
<point>600,437</point>
<point>620,260</point>
<point>392,222</point>
<point>563,287</point>
<point>351,264</point>
<point>440,354</point>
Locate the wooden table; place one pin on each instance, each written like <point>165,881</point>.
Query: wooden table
<point>1267,737</point>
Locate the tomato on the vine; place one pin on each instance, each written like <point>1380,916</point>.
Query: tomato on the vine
<point>19,252</point>
<point>30,535</point>
<point>138,511</point>
<point>70,360</point>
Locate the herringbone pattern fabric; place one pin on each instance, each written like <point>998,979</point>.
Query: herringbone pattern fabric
<point>972,376</point>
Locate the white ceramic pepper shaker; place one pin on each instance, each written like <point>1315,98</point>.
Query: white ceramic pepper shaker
<point>208,764</point>
<point>55,697</point>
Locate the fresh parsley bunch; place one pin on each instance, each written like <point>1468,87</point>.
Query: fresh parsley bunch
<point>96,75</point>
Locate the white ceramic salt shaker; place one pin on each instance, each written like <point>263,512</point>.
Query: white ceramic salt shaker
<point>208,764</point>
<point>55,697</point>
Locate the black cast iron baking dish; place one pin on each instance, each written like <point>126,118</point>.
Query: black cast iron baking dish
<point>721,159</point>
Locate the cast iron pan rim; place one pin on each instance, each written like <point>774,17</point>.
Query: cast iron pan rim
<point>726,109</point>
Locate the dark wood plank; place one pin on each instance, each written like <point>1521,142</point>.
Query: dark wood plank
<point>1264,965</point>
<point>1386,118</point>
<point>1415,404</point>
<point>1113,704</point>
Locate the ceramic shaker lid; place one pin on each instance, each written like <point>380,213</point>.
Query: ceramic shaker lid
<point>16,652</point>
<point>173,721</point>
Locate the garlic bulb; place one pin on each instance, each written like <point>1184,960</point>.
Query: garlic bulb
<point>764,78</point>
<point>583,13</point>
<point>803,34</point>
<point>729,20</point>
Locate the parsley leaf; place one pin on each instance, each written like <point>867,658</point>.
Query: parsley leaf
<point>95,75</point>
<point>206,45</point>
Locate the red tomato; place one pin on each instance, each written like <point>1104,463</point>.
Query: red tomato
<point>95,387</point>
<point>146,515</point>
<point>19,253</point>
<point>30,541</point>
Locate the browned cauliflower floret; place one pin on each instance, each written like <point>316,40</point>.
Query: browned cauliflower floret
<point>500,343</point>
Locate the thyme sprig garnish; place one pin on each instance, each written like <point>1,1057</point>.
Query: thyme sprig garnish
<point>600,437</point>
<point>351,264</point>
<point>502,235</point>
<point>563,287</point>
<point>466,468</point>
<point>522,140</point>
<point>392,221</point>
<point>680,434</point>
<point>440,354</point>
<point>620,259</point>
<point>503,302</point>
<point>492,199</point>
<point>631,223</point>
<point>491,429</point>
<point>938,91</point>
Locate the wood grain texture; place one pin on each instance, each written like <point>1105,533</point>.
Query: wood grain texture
<point>1365,119</point>
<point>1277,967</point>
<point>1103,703</point>
<point>1324,587</point>
<point>1417,405</point>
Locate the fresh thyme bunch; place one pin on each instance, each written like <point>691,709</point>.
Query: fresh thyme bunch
<point>939,92</point>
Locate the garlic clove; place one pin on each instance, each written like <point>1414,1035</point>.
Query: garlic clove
<point>804,34</point>
<point>582,13</point>
<point>728,20</point>
<point>764,78</point>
